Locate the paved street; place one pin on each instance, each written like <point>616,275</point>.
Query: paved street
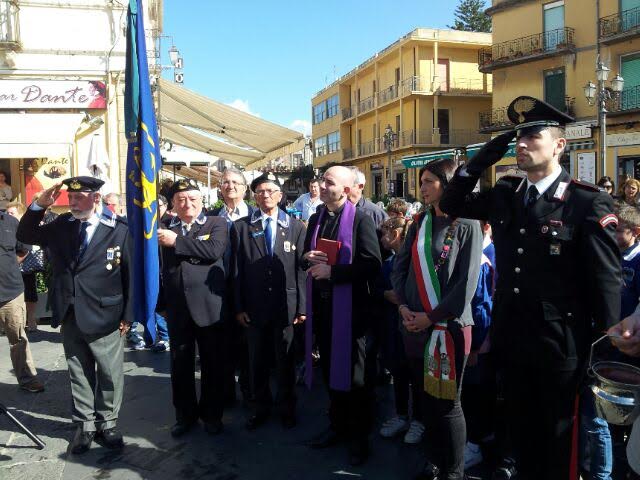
<point>151,453</point>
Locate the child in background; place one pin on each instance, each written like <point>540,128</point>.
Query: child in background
<point>627,236</point>
<point>392,348</point>
<point>479,392</point>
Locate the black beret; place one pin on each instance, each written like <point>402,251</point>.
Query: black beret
<point>182,185</point>
<point>83,184</point>
<point>529,112</point>
<point>265,178</point>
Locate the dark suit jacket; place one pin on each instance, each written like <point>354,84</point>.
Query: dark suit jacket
<point>558,267</point>
<point>193,270</point>
<point>361,273</point>
<point>265,286</point>
<point>101,297</point>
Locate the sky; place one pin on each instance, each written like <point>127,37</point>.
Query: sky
<point>269,58</point>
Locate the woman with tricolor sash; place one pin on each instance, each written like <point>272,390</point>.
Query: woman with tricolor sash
<point>435,278</point>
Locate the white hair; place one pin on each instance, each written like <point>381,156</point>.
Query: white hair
<point>358,176</point>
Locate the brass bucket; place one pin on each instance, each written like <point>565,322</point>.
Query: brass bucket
<point>616,389</point>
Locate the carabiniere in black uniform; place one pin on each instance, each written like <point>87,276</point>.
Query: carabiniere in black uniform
<point>558,287</point>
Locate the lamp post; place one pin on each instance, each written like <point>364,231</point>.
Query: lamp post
<point>389,136</point>
<point>599,95</point>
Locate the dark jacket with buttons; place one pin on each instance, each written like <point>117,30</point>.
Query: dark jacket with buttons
<point>269,288</point>
<point>558,267</point>
<point>99,285</point>
<point>193,270</point>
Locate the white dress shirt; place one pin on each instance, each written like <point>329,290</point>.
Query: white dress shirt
<point>544,184</point>
<point>240,211</point>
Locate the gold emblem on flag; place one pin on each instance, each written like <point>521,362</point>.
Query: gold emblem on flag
<point>522,106</point>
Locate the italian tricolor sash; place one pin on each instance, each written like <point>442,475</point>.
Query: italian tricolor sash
<point>423,266</point>
<point>440,364</point>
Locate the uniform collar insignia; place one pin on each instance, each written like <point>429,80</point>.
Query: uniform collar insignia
<point>256,215</point>
<point>201,219</point>
<point>175,221</point>
<point>283,219</point>
<point>108,218</point>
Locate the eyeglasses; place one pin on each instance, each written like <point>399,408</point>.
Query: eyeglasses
<point>268,193</point>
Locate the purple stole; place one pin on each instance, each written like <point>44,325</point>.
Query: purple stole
<point>340,366</point>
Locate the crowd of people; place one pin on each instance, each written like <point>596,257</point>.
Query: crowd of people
<point>482,307</point>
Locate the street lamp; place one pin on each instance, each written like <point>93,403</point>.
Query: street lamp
<point>598,95</point>
<point>174,54</point>
<point>389,136</point>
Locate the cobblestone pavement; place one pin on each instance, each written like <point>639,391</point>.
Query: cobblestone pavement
<point>151,453</point>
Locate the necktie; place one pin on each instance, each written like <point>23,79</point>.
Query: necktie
<point>532,196</point>
<point>187,228</point>
<point>83,239</point>
<point>268,236</point>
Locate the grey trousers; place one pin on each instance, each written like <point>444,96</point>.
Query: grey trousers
<point>96,372</point>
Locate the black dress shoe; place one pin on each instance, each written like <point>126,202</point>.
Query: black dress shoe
<point>358,452</point>
<point>81,442</point>
<point>326,439</point>
<point>180,428</point>
<point>213,427</point>
<point>255,421</point>
<point>110,438</point>
<point>289,421</point>
<point>429,472</point>
<point>506,470</point>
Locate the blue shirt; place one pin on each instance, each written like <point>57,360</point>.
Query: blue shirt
<point>307,206</point>
<point>630,280</point>
<point>274,226</point>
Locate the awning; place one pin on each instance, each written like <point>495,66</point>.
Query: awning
<point>473,149</point>
<point>38,135</point>
<point>417,161</point>
<point>584,145</point>
<point>181,107</point>
<point>195,173</point>
<point>179,135</point>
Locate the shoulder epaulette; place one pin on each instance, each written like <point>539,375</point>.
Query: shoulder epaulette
<point>585,185</point>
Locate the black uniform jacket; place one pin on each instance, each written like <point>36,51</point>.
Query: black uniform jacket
<point>193,270</point>
<point>99,286</point>
<point>558,267</point>
<point>361,273</point>
<point>266,286</point>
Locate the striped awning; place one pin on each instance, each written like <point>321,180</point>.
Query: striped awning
<point>417,161</point>
<point>584,145</point>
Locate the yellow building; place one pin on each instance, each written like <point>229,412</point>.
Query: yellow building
<point>426,87</point>
<point>549,50</point>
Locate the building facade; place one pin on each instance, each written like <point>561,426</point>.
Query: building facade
<point>62,68</point>
<point>550,50</point>
<point>422,93</point>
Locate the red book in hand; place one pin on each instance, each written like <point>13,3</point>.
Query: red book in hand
<point>331,248</point>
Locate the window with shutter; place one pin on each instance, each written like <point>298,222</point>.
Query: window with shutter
<point>630,71</point>
<point>630,14</point>
<point>554,88</point>
<point>553,25</point>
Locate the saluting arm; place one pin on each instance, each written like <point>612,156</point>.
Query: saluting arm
<point>31,232</point>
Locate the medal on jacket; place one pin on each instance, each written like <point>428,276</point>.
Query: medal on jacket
<point>287,246</point>
<point>554,249</point>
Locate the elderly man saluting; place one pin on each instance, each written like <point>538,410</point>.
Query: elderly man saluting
<point>193,273</point>
<point>90,256</point>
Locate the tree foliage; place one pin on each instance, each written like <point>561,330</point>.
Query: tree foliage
<point>470,17</point>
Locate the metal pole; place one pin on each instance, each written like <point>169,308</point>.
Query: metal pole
<point>602,120</point>
<point>390,181</point>
<point>209,185</point>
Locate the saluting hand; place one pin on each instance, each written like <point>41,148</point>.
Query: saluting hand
<point>167,238</point>
<point>490,153</point>
<point>49,196</point>
<point>626,335</point>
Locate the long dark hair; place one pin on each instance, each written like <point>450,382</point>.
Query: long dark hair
<point>444,169</point>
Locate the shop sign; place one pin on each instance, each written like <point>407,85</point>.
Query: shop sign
<point>49,94</point>
<point>587,167</point>
<point>623,139</point>
<point>578,131</point>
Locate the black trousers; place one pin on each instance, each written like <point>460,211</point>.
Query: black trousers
<point>479,399</point>
<point>540,408</point>
<point>350,413</point>
<point>184,334</point>
<point>270,346</point>
<point>236,360</point>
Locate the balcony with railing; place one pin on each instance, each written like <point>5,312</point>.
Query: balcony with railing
<point>627,101</point>
<point>367,148</point>
<point>454,86</point>
<point>388,94</point>
<point>525,49</point>
<point>366,105</point>
<point>348,112</point>
<point>9,25</point>
<point>462,137</point>
<point>496,119</point>
<point>347,153</point>
<point>620,26</point>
